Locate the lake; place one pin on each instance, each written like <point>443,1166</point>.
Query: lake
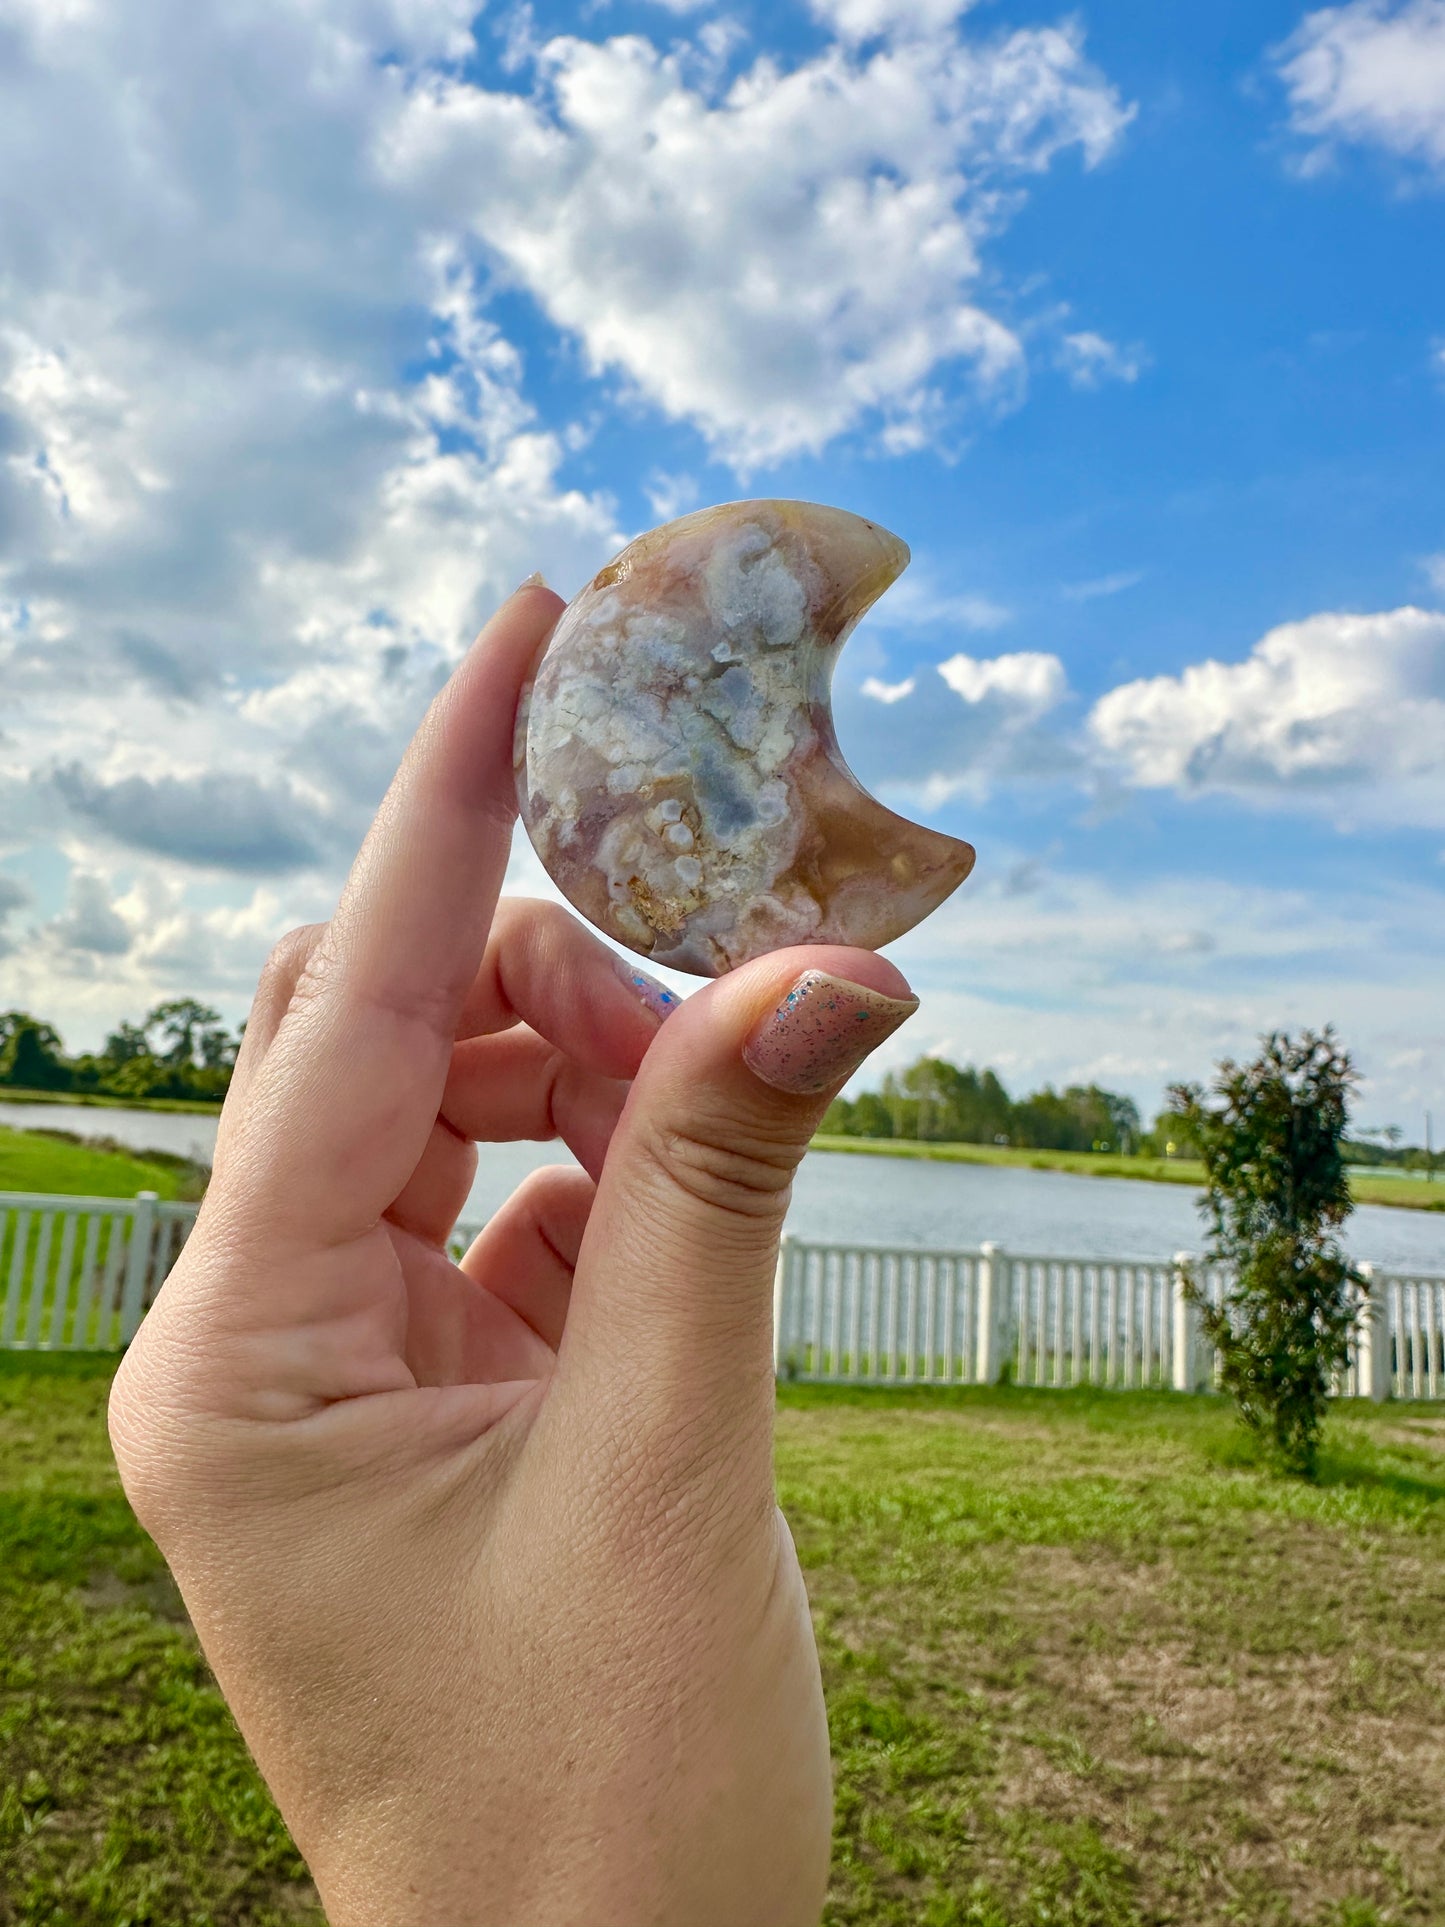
<point>866,1200</point>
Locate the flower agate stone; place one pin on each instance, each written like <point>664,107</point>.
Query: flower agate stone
<point>677,767</point>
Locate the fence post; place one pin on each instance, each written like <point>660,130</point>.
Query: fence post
<point>1372,1341</point>
<point>1186,1330</point>
<point>992,1345</point>
<point>137,1264</point>
<point>780,1278</point>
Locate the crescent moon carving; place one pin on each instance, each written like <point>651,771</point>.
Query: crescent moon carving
<point>677,766</point>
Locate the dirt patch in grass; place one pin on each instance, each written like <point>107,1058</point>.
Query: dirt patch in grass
<point>1271,1775</point>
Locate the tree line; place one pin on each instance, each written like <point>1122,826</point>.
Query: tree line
<point>180,1049</point>
<point>940,1102</point>
<point>944,1103</point>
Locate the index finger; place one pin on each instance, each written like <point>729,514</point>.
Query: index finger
<point>349,1089</point>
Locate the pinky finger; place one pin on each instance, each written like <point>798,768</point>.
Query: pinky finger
<point>527,1254</point>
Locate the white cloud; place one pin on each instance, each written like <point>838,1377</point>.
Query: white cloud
<point>90,922</point>
<point>669,496</point>
<point>865,19</point>
<point>13,897</point>
<point>918,602</point>
<point>1371,73</point>
<point>1140,980</point>
<point>1029,680</point>
<point>1344,711</point>
<point>1102,585</point>
<point>1089,360</point>
<point>888,692</point>
<point>264,467</point>
<point>1435,572</point>
<point>782,259</point>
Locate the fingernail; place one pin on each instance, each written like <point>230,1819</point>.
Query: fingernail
<point>654,996</point>
<point>821,1032</point>
<point>536,580</point>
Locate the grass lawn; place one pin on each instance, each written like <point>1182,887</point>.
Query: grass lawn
<point>1087,1666</point>
<point>54,1161</point>
<point>1411,1193</point>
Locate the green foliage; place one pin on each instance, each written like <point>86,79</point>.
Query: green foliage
<point>181,1050</point>
<point>30,1053</point>
<point>934,1101</point>
<point>1277,1193</point>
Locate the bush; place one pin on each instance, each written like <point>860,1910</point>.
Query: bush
<point>1277,1194</point>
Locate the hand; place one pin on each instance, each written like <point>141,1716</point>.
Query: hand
<point>485,1557</point>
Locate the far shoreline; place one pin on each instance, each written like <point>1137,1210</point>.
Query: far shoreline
<point>107,1101</point>
<point>1393,1193</point>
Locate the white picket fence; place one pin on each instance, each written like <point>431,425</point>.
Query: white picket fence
<point>861,1314</point>
<point>78,1274</point>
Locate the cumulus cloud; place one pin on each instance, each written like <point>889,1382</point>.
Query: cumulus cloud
<point>215,819</point>
<point>863,19</point>
<point>13,896</point>
<point>1032,681</point>
<point>784,255</point>
<point>1371,73</point>
<point>921,748</point>
<point>265,463</point>
<point>1144,978</point>
<point>90,921</point>
<point>1089,360</point>
<point>1346,711</point>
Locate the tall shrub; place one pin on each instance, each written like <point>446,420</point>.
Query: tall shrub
<point>1277,1196</point>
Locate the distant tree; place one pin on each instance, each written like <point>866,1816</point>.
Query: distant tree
<point>871,1116</point>
<point>179,1022</point>
<point>217,1049</point>
<point>31,1055</point>
<point>1277,1193</point>
<point>1081,1118</point>
<point>125,1042</point>
<point>938,1101</point>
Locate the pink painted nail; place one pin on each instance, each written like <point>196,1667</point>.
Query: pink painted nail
<point>654,996</point>
<point>821,1032</point>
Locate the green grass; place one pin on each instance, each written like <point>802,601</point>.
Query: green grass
<point>1409,1193</point>
<point>105,1101</point>
<point>48,1161</point>
<point>1087,1666</point>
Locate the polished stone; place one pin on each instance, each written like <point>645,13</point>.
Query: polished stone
<point>677,767</point>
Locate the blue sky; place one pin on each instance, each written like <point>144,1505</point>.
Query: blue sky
<point>321,328</point>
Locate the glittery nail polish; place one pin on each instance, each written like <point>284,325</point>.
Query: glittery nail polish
<point>653,996</point>
<point>821,1032</point>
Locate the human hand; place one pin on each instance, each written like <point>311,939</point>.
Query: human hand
<point>485,1557</point>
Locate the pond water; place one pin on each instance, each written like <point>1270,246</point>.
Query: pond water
<point>876,1200</point>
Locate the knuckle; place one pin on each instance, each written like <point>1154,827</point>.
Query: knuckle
<point>287,961</point>
<point>745,1173</point>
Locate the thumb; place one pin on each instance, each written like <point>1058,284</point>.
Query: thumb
<point>673,1297</point>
